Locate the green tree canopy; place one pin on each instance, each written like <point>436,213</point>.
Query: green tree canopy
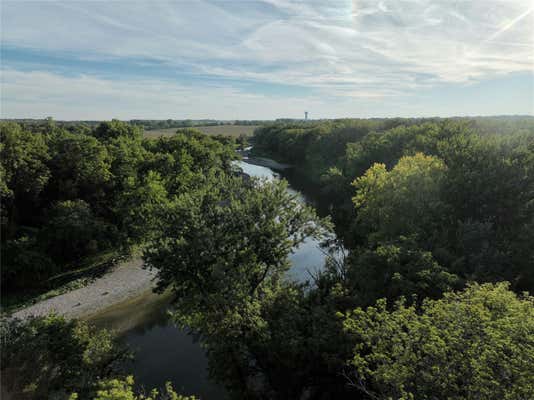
<point>223,250</point>
<point>474,344</point>
<point>50,357</point>
<point>397,268</point>
<point>223,246</point>
<point>25,174</point>
<point>115,128</point>
<point>404,201</point>
<point>80,167</point>
<point>122,389</point>
<point>72,232</point>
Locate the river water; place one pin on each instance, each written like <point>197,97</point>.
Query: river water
<point>164,352</point>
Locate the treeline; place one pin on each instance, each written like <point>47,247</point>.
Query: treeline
<point>71,194</point>
<point>150,124</point>
<point>146,124</point>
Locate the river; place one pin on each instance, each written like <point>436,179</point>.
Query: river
<point>165,353</point>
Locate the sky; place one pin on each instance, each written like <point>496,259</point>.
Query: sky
<point>95,60</point>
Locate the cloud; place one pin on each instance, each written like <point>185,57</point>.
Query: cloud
<point>338,49</point>
<point>40,94</point>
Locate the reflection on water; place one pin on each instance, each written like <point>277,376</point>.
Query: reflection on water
<point>163,352</point>
<point>166,353</point>
<point>308,256</point>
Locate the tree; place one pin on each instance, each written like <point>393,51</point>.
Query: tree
<point>128,159</point>
<point>50,357</point>
<point>228,239</point>
<point>80,167</point>
<point>223,251</point>
<point>474,344</point>
<point>489,187</point>
<point>140,206</point>
<point>73,232</point>
<point>122,389</point>
<point>115,128</point>
<point>397,268</point>
<point>404,201</point>
<point>25,173</point>
<point>24,264</point>
<point>69,191</point>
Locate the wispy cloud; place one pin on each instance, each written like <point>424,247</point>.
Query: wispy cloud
<point>339,49</point>
<point>89,97</point>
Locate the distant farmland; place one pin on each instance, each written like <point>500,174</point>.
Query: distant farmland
<point>226,130</point>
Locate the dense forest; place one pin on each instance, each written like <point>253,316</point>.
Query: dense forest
<point>459,190</point>
<point>423,295</point>
<point>70,194</point>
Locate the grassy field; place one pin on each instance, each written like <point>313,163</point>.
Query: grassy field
<point>227,130</point>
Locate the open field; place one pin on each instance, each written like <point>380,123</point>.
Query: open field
<point>227,130</point>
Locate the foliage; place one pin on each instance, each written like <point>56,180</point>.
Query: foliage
<point>23,264</point>
<point>43,357</point>
<point>435,205</point>
<point>80,167</point>
<point>404,201</point>
<point>227,240</point>
<point>489,188</point>
<point>473,344</point>
<point>122,389</point>
<point>116,129</point>
<point>139,205</point>
<point>461,188</point>
<point>72,232</point>
<point>223,250</point>
<point>395,269</point>
<point>25,173</point>
<point>70,192</point>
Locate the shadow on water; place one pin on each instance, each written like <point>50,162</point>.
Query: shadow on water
<point>163,352</point>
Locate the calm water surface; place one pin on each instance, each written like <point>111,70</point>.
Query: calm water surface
<point>166,353</point>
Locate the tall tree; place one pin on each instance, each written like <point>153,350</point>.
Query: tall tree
<point>404,201</point>
<point>474,344</point>
<point>223,251</point>
<point>25,173</point>
<point>50,357</point>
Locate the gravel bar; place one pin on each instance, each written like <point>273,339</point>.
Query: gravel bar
<point>126,281</point>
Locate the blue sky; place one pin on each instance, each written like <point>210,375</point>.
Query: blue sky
<point>266,59</point>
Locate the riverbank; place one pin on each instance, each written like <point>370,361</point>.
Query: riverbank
<point>126,281</point>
